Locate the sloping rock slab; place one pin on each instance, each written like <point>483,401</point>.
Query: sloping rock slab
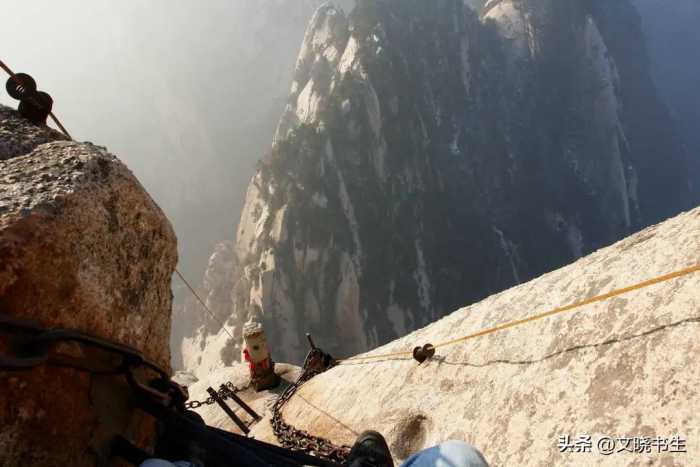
<point>625,367</point>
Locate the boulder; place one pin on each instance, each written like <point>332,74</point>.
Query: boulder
<point>82,245</point>
<point>17,137</point>
<point>622,368</point>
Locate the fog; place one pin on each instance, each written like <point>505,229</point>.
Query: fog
<point>188,96</point>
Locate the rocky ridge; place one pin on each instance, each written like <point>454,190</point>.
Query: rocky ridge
<point>83,246</point>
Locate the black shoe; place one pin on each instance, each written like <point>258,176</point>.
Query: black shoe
<point>172,444</point>
<point>370,450</point>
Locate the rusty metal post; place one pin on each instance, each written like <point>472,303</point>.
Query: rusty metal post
<point>245,406</point>
<point>244,428</point>
<point>311,341</point>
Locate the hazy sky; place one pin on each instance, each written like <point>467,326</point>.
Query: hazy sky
<point>187,95</point>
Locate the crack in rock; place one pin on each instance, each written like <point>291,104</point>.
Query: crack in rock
<point>696,319</point>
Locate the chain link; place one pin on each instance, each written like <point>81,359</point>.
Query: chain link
<point>299,440</point>
<point>225,391</point>
<point>289,437</point>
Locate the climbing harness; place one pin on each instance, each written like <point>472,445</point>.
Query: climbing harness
<point>316,362</point>
<point>30,345</point>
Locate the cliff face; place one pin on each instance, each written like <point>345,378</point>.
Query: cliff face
<point>202,331</point>
<point>249,59</point>
<point>82,245</point>
<point>672,35</point>
<point>430,156</point>
<point>625,367</point>
<point>253,61</point>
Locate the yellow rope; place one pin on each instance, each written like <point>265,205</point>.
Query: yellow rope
<point>555,311</point>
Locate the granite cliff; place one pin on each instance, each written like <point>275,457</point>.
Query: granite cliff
<point>254,66</point>
<point>431,155</point>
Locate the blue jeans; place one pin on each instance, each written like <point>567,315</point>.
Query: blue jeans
<point>163,463</point>
<point>447,454</point>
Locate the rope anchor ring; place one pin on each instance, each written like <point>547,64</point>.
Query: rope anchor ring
<point>424,353</point>
<point>34,105</point>
<point>20,86</point>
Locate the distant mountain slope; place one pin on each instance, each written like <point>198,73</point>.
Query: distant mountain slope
<point>672,33</point>
<point>246,69</point>
<point>429,157</point>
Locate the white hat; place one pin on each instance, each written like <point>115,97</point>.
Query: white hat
<point>252,327</point>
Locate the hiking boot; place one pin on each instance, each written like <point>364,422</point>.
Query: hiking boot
<point>370,450</point>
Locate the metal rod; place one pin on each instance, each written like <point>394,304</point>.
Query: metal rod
<point>245,406</point>
<point>311,341</point>
<point>204,305</point>
<point>58,123</point>
<point>244,428</point>
<point>7,70</point>
<point>53,117</point>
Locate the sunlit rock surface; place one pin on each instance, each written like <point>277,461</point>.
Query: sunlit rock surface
<point>82,245</point>
<point>624,367</point>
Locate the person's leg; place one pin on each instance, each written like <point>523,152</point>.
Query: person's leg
<point>164,463</point>
<point>370,449</point>
<point>447,454</point>
<point>156,463</point>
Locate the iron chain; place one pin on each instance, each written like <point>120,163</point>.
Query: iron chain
<point>300,440</point>
<point>224,392</point>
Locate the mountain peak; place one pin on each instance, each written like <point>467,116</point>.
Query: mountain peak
<point>427,158</point>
